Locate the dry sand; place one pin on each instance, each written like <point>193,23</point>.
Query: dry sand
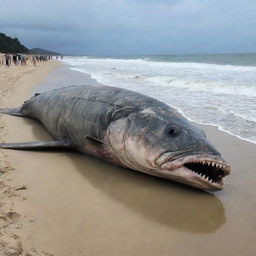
<point>68,204</point>
<point>16,84</point>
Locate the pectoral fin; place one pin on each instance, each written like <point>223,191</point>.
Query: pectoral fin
<point>95,141</point>
<point>36,145</point>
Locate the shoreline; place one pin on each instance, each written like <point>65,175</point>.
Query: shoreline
<point>219,127</point>
<point>65,203</point>
<point>92,80</point>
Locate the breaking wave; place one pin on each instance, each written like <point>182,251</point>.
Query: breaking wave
<point>221,95</point>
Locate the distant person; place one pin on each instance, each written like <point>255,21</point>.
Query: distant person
<point>14,59</point>
<point>1,59</point>
<point>7,60</point>
<point>34,61</point>
<point>19,59</point>
<point>23,60</point>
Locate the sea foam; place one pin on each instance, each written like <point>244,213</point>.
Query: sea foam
<point>220,95</point>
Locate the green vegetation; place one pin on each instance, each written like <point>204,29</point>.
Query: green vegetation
<point>39,51</point>
<point>11,45</point>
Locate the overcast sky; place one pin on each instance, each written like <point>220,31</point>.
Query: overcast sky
<point>128,27</point>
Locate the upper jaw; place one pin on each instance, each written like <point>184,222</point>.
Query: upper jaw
<point>203,171</point>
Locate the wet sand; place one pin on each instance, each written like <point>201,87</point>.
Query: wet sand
<point>79,205</point>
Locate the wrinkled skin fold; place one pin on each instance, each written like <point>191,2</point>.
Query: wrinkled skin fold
<point>128,129</point>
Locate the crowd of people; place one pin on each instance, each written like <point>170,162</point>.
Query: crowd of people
<point>22,59</point>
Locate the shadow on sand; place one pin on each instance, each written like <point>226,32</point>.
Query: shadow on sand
<point>165,202</point>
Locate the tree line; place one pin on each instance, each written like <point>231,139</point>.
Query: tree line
<point>11,45</point>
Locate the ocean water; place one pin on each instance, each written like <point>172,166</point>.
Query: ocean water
<point>216,89</point>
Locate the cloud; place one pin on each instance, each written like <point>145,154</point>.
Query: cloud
<point>132,26</point>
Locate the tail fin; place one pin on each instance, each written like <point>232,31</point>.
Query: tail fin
<point>11,111</point>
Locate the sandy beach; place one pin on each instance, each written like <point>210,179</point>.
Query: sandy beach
<point>64,203</point>
<point>16,84</point>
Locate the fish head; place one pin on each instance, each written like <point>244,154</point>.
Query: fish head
<point>168,145</point>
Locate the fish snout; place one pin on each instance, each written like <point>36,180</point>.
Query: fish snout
<point>203,171</point>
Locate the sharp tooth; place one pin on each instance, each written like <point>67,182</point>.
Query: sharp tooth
<point>213,164</point>
<point>203,162</point>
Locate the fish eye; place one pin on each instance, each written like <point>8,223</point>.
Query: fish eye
<point>172,130</point>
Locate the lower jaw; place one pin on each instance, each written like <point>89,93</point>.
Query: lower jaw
<point>189,178</point>
<point>180,175</point>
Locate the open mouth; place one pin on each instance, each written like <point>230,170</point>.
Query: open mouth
<point>201,171</point>
<point>209,170</point>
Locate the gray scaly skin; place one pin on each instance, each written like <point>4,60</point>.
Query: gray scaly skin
<point>128,129</point>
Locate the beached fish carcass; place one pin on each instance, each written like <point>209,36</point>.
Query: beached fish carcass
<point>127,128</point>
